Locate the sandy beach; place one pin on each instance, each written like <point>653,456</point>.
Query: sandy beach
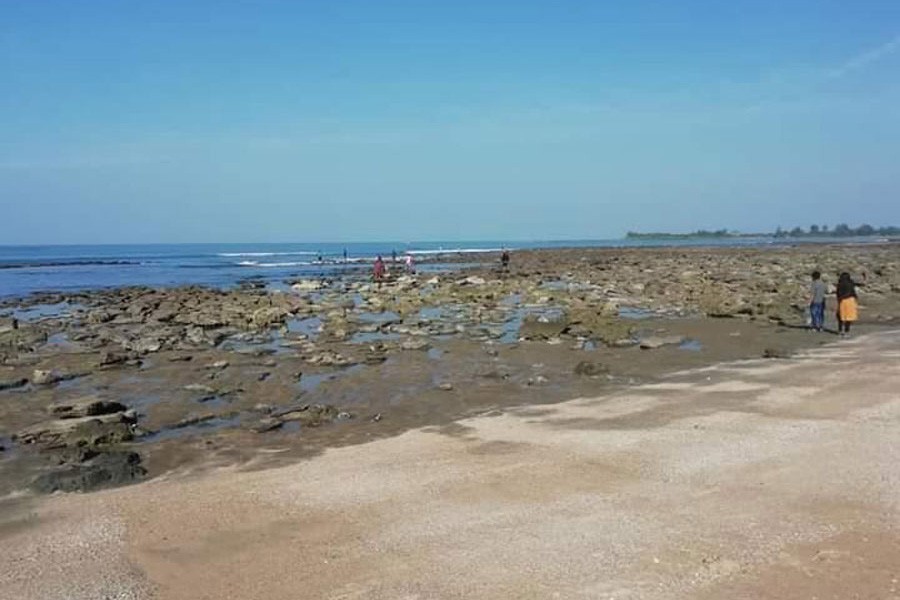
<point>747,479</point>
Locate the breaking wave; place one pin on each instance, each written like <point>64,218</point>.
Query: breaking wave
<point>263,254</point>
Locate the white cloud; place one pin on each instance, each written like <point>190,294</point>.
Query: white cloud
<point>866,58</point>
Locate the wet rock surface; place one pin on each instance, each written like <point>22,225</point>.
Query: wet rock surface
<point>103,470</point>
<point>185,377</point>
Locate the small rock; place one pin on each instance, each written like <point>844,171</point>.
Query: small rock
<point>377,417</point>
<point>42,377</point>
<point>590,369</point>
<point>86,407</point>
<point>194,420</point>
<point>11,384</point>
<point>218,365</point>
<point>199,387</point>
<point>447,387</point>
<point>537,380</point>
<point>267,424</point>
<point>775,353</point>
<point>310,415</point>
<point>147,346</point>
<point>109,359</point>
<point>415,345</point>
<point>308,285</point>
<point>375,358</point>
<point>653,342</point>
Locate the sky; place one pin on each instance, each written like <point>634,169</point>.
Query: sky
<point>363,120</point>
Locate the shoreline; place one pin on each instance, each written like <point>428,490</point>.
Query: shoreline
<point>117,266</point>
<point>195,376</point>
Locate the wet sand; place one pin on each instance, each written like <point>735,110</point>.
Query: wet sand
<point>748,479</point>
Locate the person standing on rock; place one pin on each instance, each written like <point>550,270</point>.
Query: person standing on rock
<point>379,270</point>
<point>817,302</point>
<point>847,306</point>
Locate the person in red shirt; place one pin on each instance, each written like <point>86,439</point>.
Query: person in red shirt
<point>379,270</point>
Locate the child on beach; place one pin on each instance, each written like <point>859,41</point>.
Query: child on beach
<point>817,302</point>
<point>847,306</point>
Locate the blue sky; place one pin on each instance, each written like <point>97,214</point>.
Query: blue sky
<point>339,120</point>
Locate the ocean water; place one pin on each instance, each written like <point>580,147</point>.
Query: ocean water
<point>28,269</point>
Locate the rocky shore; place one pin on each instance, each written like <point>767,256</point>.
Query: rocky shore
<point>108,387</point>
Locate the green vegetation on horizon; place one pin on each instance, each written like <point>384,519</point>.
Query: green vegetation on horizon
<point>815,231</point>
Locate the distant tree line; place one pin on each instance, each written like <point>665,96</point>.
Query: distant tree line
<point>700,233</point>
<point>814,231</point>
<point>840,230</point>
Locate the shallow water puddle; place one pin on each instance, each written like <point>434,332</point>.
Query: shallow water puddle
<point>692,345</point>
<point>634,312</point>
<point>309,382</point>
<point>379,318</point>
<point>58,339</point>
<point>46,311</point>
<point>256,345</point>
<point>7,448</point>
<point>311,327</point>
<point>512,300</point>
<point>369,337</point>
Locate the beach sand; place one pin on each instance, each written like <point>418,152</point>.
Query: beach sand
<point>748,479</point>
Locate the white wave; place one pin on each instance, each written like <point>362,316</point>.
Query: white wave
<point>262,254</point>
<point>454,251</point>
<point>253,263</point>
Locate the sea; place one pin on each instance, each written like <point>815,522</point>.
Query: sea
<point>28,269</point>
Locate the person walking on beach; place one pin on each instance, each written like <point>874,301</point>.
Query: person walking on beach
<point>504,259</point>
<point>345,255</point>
<point>410,265</point>
<point>394,256</point>
<point>847,306</point>
<point>817,302</point>
<point>379,270</point>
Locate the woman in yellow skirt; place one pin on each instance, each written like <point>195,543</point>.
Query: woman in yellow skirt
<point>847,306</point>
